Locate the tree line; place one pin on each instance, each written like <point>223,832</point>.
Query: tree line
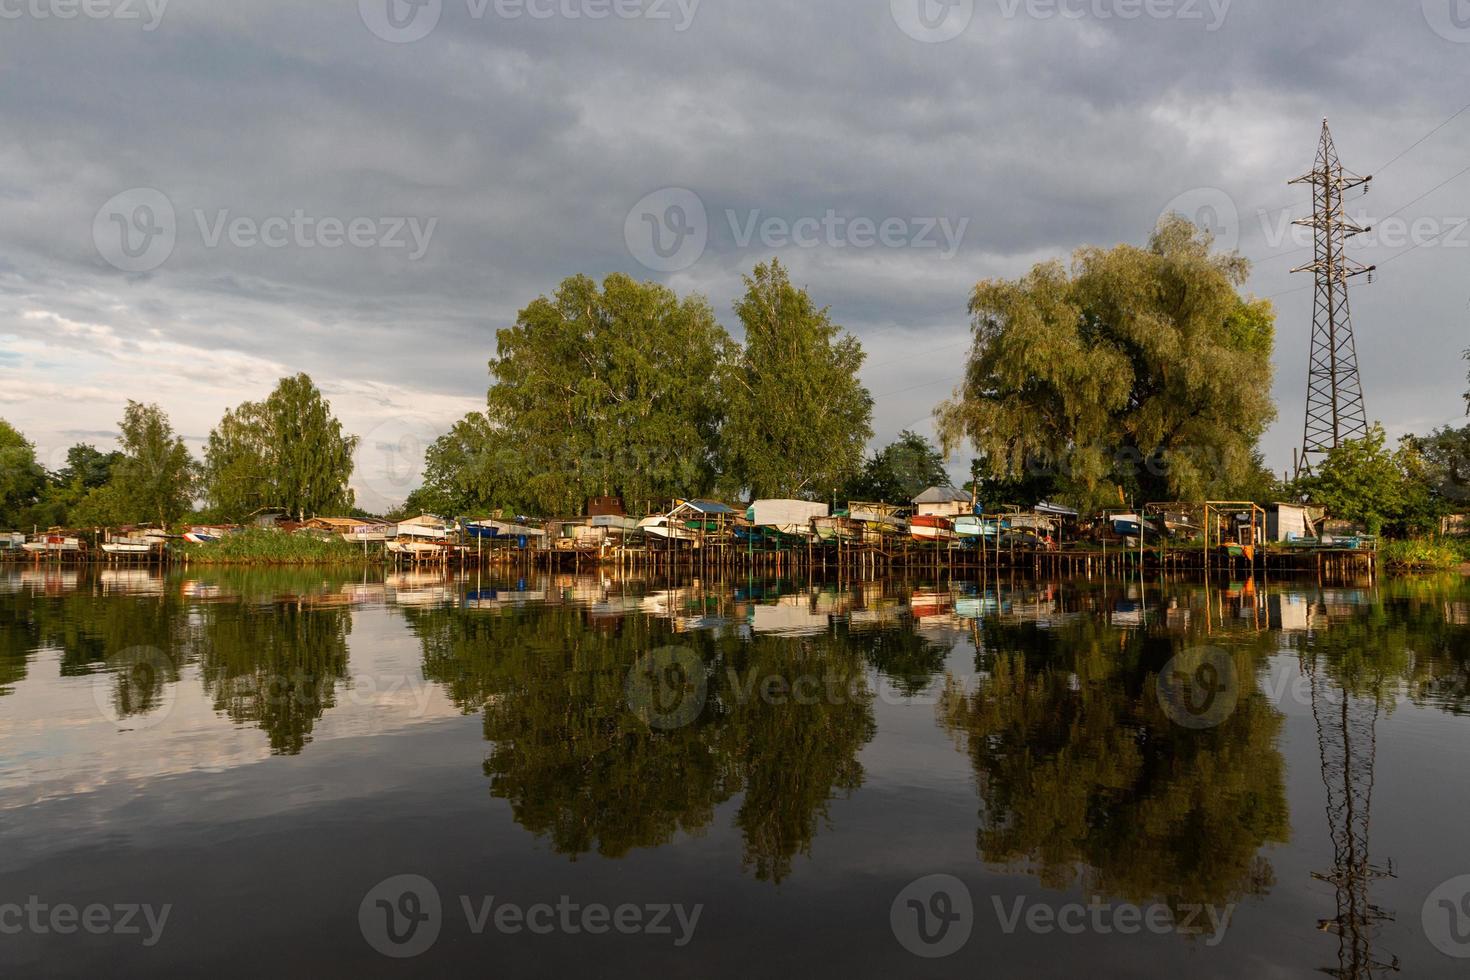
<point>1136,374</point>
<point>287,452</point>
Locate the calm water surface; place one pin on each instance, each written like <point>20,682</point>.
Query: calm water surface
<point>299,773</point>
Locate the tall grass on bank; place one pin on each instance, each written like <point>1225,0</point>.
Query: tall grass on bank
<point>264,547</point>
<point>1423,553</point>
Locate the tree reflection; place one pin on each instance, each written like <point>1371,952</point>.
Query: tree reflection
<point>1079,767</point>
<point>275,667</point>
<point>782,723</point>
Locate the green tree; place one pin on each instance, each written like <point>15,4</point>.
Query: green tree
<point>1142,368</point>
<point>1445,455</point>
<point>473,469</point>
<point>605,392</point>
<point>155,479</point>
<point>1364,481</point>
<point>21,476</point>
<point>900,471</point>
<point>797,416</point>
<point>287,451</point>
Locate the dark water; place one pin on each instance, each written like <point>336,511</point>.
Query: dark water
<point>238,774</point>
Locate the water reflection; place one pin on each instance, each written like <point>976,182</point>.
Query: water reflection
<point>1083,775</point>
<point>1049,690</point>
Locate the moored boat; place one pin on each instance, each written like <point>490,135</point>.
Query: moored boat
<point>928,527</point>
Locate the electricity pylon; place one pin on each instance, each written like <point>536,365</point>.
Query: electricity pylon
<point>1335,412</point>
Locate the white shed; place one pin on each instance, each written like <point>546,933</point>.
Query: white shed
<point>943,502</point>
<point>785,513</point>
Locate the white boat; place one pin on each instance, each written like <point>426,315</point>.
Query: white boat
<point>659,527</point>
<point>128,546</point>
<point>53,544</point>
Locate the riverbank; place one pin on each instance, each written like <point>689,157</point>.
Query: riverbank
<point>1426,554</point>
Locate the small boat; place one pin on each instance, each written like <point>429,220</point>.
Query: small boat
<point>659,527</point>
<point>128,546</point>
<point>837,530</point>
<point>53,544</point>
<point>928,527</point>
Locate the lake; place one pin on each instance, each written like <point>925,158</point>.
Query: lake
<point>237,773</point>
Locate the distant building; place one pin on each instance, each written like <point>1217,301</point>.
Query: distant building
<point>1455,525</point>
<point>943,502</point>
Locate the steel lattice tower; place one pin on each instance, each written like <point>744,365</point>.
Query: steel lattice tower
<point>1335,411</point>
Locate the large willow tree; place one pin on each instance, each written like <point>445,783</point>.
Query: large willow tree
<point>797,417</point>
<point>155,479</point>
<point>287,451</point>
<point>606,392</point>
<point>1141,368</point>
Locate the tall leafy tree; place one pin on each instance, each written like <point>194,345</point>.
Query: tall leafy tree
<point>797,416</point>
<point>606,391</point>
<point>470,470</point>
<point>288,451</point>
<point>1140,368</point>
<point>900,471</point>
<point>21,476</point>
<point>155,479</point>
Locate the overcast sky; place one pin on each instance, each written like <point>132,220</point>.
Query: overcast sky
<point>198,196</point>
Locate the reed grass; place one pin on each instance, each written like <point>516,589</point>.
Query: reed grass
<point>265,547</point>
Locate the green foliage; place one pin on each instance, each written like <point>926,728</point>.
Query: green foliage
<point>257,546</point>
<point>154,482</point>
<point>287,451</point>
<point>797,417</point>
<point>900,471</point>
<point>21,476</point>
<point>598,392</point>
<point>1365,482</point>
<point>1142,368</point>
<point>1420,553</point>
<point>472,470</point>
